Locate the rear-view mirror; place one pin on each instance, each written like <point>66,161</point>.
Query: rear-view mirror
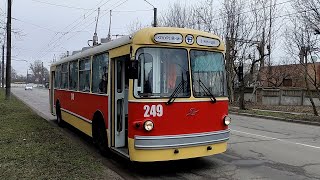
<point>133,70</point>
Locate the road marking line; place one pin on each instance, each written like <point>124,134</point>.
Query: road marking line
<point>272,138</point>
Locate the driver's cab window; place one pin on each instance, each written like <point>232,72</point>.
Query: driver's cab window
<point>161,72</point>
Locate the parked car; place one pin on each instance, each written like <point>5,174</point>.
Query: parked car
<point>28,87</point>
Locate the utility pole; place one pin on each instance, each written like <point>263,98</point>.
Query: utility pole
<point>42,73</point>
<point>2,67</point>
<point>8,69</point>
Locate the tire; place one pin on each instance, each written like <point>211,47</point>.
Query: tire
<point>60,121</point>
<point>100,137</point>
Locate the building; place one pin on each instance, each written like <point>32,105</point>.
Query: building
<point>291,75</point>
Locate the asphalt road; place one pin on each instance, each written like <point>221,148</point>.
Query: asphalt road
<point>258,149</point>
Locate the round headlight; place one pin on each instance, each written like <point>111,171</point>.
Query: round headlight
<point>148,125</point>
<point>227,120</point>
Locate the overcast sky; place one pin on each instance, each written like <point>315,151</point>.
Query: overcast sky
<point>48,28</point>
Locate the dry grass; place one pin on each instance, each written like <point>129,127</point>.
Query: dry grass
<point>31,148</point>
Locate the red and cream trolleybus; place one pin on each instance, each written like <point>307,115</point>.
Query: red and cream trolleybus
<point>157,95</point>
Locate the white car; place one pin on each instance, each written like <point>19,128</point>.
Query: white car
<point>28,87</point>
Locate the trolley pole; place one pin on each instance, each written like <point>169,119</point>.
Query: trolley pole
<point>154,14</point>
<point>2,68</point>
<point>155,17</point>
<point>8,69</point>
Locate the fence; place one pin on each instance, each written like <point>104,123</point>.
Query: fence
<point>292,97</point>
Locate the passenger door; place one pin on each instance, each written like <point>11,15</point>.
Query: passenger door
<point>119,102</point>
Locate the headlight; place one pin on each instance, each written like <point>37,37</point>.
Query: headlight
<point>148,125</point>
<point>227,120</point>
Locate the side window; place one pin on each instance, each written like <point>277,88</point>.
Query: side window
<point>84,75</point>
<point>100,66</point>
<point>57,77</point>
<point>73,75</point>
<point>64,76</point>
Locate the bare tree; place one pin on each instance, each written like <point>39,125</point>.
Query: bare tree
<point>238,39</point>
<point>255,42</point>
<point>178,15</point>
<point>309,10</point>
<point>39,72</point>
<point>301,42</point>
<point>231,12</point>
<point>135,26</point>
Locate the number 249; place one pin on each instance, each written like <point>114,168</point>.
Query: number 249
<point>154,110</point>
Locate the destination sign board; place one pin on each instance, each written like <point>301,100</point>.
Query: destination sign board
<point>205,41</point>
<point>168,38</point>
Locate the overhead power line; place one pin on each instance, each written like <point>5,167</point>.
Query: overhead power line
<point>48,29</point>
<point>77,22</point>
<point>275,17</point>
<point>256,9</point>
<point>56,43</point>
<point>60,5</point>
<point>141,10</point>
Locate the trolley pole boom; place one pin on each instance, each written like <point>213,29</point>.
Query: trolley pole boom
<point>154,14</point>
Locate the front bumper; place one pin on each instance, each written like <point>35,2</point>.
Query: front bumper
<point>164,148</point>
<point>176,141</point>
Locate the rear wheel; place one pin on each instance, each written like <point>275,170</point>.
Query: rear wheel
<point>100,137</point>
<point>59,117</point>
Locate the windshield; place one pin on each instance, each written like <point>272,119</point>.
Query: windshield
<point>208,70</point>
<point>161,71</point>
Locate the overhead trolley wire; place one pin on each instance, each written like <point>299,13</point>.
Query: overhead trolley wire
<point>56,43</point>
<point>60,5</point>
<point>77,22</point>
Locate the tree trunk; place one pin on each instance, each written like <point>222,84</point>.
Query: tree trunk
<point>241,99</point>
<point>229,68</point>
<point>315,112</point>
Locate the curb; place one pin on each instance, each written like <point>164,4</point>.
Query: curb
<point>277,118</point>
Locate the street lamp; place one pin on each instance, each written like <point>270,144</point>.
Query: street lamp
<point>154,14</point>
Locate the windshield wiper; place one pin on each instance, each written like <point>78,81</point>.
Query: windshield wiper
<point>207,91</point>
<point>176,91</point>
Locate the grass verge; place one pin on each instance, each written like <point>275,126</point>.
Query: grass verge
<point>31,148</point>
<point>301,117</point>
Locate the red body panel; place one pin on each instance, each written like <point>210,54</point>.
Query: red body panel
<point>84,104</point>
<point>179,118</point>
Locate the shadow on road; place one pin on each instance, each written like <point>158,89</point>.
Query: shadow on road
<point>133,170</point>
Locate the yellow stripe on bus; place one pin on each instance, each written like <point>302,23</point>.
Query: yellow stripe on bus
<point>78,123</point>
<point>168,154</point>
